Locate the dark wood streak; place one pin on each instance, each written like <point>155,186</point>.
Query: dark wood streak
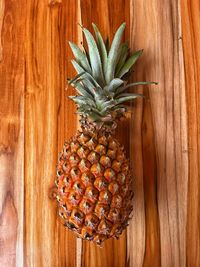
<point>152,255</point>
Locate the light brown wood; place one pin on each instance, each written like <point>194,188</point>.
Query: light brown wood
<point>47,243</point>
<point>159,139</point>
<point>191,41</point>
<point>161,133</point>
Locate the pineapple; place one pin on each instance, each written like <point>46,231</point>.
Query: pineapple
<point>94,183</point>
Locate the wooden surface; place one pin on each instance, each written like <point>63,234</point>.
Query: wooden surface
<point>161,135</point>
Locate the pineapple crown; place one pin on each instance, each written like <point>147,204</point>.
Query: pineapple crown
<point>100,81</point>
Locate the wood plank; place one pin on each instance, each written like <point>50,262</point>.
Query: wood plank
<point>12,36</point>
<point>157,236</point>
<point>191,41</point>
<point>69,122</point>
<point>113,252</point>
<point>47,241</point>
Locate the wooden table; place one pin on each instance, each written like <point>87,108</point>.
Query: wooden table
<point>161,133</point>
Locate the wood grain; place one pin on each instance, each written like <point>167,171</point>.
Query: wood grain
<point>161,133</point>
<point>11,133</point>
<point>191,41</point>
<point>47,242</point>
<point>159,223</point>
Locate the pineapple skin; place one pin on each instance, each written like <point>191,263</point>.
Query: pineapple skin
<point>94,186</point>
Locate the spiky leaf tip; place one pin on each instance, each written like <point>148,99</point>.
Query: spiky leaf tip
<point>113,54</point>
<point>95,58</point>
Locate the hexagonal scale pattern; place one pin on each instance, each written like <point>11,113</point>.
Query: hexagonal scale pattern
<point>94,186</point>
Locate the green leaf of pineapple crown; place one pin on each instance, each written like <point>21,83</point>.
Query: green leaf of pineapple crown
<point>102,92</point>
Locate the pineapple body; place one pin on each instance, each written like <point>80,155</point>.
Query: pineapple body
<point>94,186</point>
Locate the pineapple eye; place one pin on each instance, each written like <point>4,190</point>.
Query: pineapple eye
<point>86,205</point>
<point>59,173</point>
<point>65,166</point>
<point>88,236</point>
<point>63,189</point>
<point>75,173</point>
<point>70,225</point>
<point>67,180</point>
<point>78,186</point>
<point>77,215</point>
<point>102,210</point>
<point>60,157</point>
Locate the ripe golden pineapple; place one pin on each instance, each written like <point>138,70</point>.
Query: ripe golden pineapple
<point>94,183</point>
